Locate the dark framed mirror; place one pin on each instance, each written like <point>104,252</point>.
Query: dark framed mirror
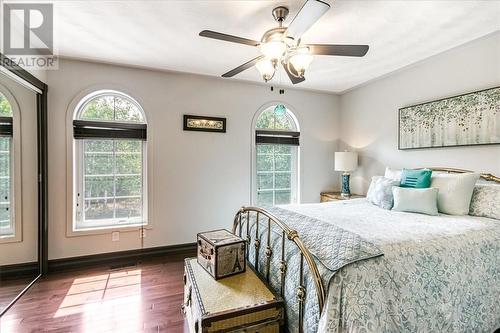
<point>23,181</point>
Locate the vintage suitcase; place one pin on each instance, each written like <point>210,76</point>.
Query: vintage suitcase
<point>221,253</point>
<point>240,303</point>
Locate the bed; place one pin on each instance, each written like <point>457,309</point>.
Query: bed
<point>349,266</point>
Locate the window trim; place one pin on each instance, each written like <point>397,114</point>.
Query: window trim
<point>75,106</point>
<point>296,182</point>
<point>79,150</point>
<point>16,168</point>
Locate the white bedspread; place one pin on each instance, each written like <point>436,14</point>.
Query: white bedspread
<point>438,273</point>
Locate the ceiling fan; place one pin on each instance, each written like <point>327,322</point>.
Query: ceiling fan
<point>282,45</point>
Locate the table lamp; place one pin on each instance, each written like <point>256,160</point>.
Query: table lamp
<point>346,161</point>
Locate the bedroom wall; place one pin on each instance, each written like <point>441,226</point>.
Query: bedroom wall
<point>198,180</point>
<point>40,74</point>
<point>369,114</point>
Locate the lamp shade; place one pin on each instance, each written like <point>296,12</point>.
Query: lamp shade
<point>346,161</point>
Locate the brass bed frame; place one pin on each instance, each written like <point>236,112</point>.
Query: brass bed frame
<point>241,225</point>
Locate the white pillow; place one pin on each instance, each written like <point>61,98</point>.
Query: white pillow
<point>380,192</point>
<point>415,200</point>
<point>393,173</point>
<point>455,191</point>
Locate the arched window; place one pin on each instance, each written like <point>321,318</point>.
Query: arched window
<point>110,133</point>
<point>276,157</point>
<point>7,228</point>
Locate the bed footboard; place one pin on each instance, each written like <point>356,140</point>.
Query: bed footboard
<point>242,227</point>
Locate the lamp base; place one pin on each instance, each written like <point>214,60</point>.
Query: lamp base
<point>346,191</point>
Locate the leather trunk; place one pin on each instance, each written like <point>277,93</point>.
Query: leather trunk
<point>221,253</point>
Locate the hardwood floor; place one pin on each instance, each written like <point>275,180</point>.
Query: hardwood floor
<point>9,289</point>
<point>142,298</point>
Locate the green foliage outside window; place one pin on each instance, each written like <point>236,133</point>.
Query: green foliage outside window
<point>274,162</point>
<point>111,108</point>
<point>5,108</point>
<point>112,183</point>
<point>5,212</point>
<point>270,120</point>
<point>5,173</point>
<point>113,179</point>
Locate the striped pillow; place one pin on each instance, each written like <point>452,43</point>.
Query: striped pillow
<point>416,178</point>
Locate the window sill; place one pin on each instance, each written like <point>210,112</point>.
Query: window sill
<point>10,239</point>
<point>106,230</point>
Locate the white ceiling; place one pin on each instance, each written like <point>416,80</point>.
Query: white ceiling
<point>163,34</point>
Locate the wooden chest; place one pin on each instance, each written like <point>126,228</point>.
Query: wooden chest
<point>240,303</point>
<point>221,253</point>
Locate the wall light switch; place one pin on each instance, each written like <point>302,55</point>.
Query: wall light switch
<point>115,236</point>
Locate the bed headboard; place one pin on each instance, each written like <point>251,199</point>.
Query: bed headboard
<point>485,176</point>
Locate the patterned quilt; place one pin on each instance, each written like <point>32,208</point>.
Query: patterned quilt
<point>332,247</point>
<point>437,274</point>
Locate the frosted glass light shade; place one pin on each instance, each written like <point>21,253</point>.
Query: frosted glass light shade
<point>346,161</point>
<point>265,68</point>
<point>273,50</point>
<point>301,60</point>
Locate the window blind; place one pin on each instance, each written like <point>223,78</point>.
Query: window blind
<point>85,129</point>
<point>266,137</point>
<point>6,126</point>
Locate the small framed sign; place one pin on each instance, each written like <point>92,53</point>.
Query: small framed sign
<point>204,123</point>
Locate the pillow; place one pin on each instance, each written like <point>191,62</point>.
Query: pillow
<point>485,201</point>
<point>416,178</point>
<point>380,191</point>
<point>455,192</point>
<point>415,200</point>
<point>392,173</point>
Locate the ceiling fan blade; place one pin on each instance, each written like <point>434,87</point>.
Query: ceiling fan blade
<point>228,38</point>
<point>338,50</point>
<point>243,67</point>
<point>288,71</point>
<point>310,12</point>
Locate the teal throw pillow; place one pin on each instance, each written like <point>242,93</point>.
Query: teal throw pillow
<point>416,178</point>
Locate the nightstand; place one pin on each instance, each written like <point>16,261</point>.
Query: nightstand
<point>333,196</point>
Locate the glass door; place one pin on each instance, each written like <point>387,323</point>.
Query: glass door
<point>20,195</point>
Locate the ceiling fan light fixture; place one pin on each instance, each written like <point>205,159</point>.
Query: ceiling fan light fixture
<point>266,68</point>
<point>273,50</point>
<point>301,60</point>
<point>281,46</point>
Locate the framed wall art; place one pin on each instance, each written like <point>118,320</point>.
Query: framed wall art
<point>464,120</point>
<point>204,123</point>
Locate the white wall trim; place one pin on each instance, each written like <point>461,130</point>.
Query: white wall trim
<point>253,149</point>
<point>71,112</point>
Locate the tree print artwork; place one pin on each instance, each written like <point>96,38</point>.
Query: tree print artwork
<point>469,119</point>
